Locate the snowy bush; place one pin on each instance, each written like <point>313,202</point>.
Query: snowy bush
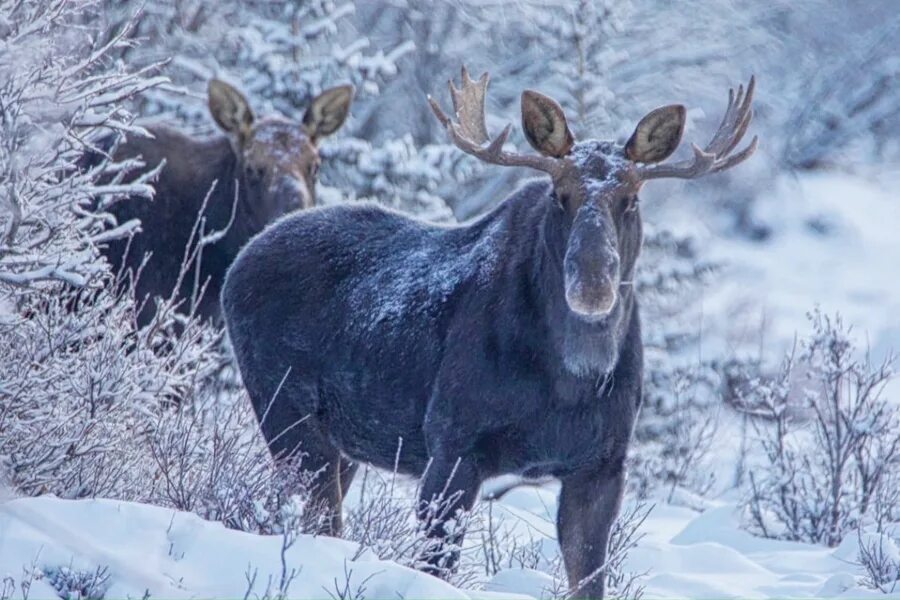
<point>501,545</point>
<point>59,87</point>
<point>681,395</point>
<point>73,584</point>
<point>879,554</point>
<point>78,382</point>
<point>209,458</point>
<point>385,523</point>
<point>835,468</point>
<point>675,433</point>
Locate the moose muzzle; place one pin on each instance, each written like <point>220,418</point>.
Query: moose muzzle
<point>591,266</point>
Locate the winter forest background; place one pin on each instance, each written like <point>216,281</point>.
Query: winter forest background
<point>769,445</point>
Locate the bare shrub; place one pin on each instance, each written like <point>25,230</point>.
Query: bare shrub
<point>673,442</point>
<point>500,549</point>
<point>880,557</point>
<point>90,404</point>
<point>79,383</point>
<point>208,458</point>
<point>291,516</point>
<point>386,522</point>
<point>347,589</point>
<point>825,474</point>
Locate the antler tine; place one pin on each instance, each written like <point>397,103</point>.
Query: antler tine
<point>468,104</point>
<point>735,122</point>
<point>469,132</point>
<point>736,159</point>
<point>717,155</point>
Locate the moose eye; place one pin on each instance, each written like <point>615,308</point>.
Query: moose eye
<point>314,169</point>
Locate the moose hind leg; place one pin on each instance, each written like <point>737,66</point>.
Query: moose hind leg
<point>301,440</point>
<point>449,486</point>
<point>326,490</point>
<point>348,471</point>
<point>588,505</point>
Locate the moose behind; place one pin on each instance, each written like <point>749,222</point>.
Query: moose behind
<point>508,345</point>
<point>259,170</point>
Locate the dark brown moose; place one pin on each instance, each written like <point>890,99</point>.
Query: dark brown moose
<point>262,168</point>
<point>508,345</point>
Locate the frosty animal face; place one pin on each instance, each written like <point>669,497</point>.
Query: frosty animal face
<point>278,158</point>
<point>596,183</point>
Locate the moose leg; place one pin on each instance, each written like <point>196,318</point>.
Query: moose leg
<point>588,505</point>
<point>319,458</point>
<point>449,486</point>
<point>326,492</point>
<point>348,471</point>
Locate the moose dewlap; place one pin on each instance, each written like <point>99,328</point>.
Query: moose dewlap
<point>508,345</point>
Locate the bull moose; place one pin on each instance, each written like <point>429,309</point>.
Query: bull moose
<point>511,344</point>
<point>263,168</point>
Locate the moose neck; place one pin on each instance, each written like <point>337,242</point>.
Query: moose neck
<point>231,196</point>
<point>221,166</point>
<point>586,348</point>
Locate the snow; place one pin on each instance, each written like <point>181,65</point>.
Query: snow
<point>833,244</point>
<point>178,555</point>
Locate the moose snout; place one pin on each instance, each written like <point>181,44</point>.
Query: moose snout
<point>291,193</point>
<point>591,284</point>
<point>594,301</point>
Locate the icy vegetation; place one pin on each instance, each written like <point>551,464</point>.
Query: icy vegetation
<point>766,462</point>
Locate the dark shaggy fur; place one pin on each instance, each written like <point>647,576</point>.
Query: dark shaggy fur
<point>262,169</point>
<point>167,221</point>
<point>364,333</point>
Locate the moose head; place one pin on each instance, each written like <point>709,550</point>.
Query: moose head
<point>278,158</point>
<point>596,183</point>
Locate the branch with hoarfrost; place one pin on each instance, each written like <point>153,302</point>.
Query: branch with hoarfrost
<point>61,90</point>
<point>835,467</point>
<point>81,385</point>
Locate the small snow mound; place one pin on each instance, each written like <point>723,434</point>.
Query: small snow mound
<point>837,584</point>
<point>526,582</point>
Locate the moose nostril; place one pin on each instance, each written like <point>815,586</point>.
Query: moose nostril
<point>591,301</point>
<point>291,193</point>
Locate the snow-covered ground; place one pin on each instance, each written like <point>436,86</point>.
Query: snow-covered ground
<point>172,554</point>
<point>169,554</point>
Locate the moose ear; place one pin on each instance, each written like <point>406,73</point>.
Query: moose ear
<point>328,111</point>
<point>545,126</point>
<point>229,108</point>
<point>657,135</point>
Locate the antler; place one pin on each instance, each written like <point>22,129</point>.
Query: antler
<point>717,154</point>
<point>469,134</point>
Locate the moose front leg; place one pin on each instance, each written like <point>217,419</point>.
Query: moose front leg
<point>588,505</point>
<point>450,486</point>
